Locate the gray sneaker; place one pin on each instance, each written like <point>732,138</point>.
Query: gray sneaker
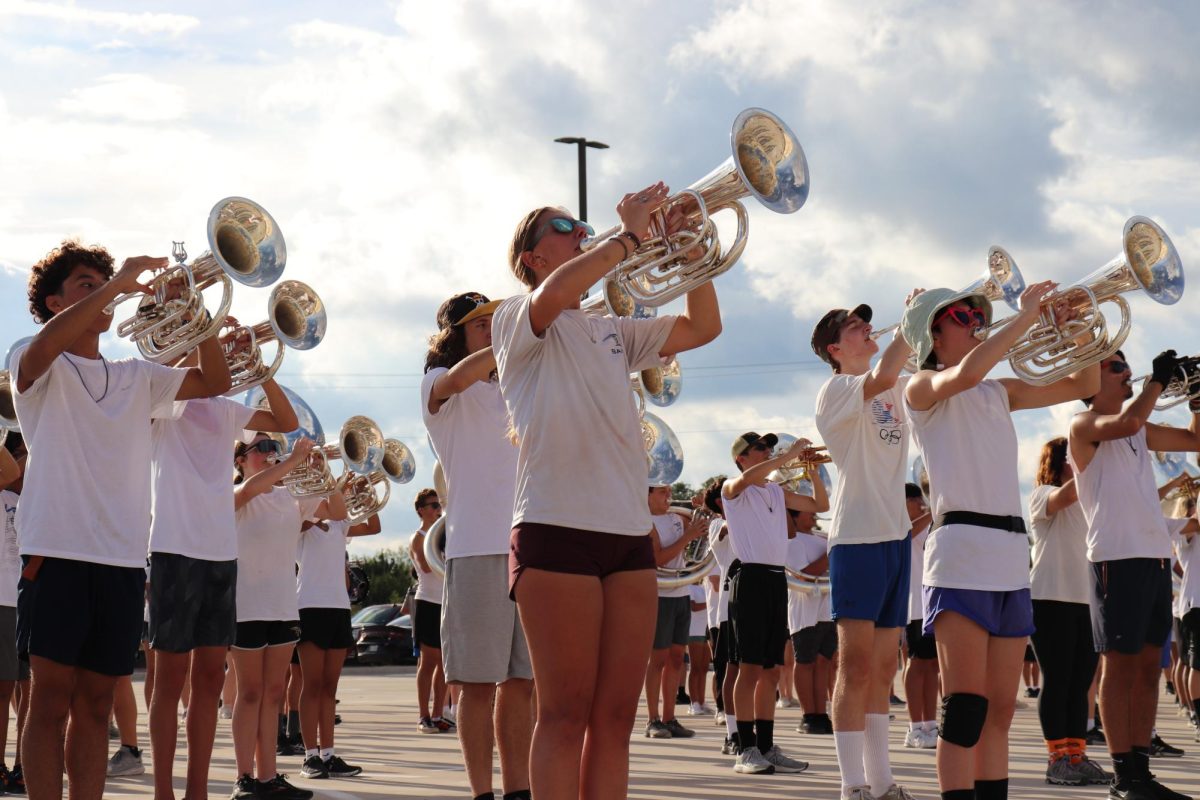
<point>677,730</point>
<point>752,762</point>
<point>1061,772</point>
<point>1093,774</point>
<point>125,762</point>
<point>859,793</point>
<point>783,763</point>
<point>657,730</point>
<point>897,792</point>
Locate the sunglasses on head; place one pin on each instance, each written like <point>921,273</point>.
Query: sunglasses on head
<point>966,317</point>
<point>561,225</point>
<point>1117,367</point>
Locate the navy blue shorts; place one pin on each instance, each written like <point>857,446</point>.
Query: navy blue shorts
<point>870,581</point>
<point>1005,614</point>
<point>1131,604</point>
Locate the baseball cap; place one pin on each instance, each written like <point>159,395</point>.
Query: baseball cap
<point>827,330</point>
<point>748,440</point>
<point>462,308</point>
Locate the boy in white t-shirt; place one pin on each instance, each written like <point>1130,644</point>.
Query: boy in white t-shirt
<point>86,421</point>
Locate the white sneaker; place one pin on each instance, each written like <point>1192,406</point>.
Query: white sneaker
<point>914,738</point>
<point>785,702</point>
<point>783,763</point>
<point>859,793</point>
<point>896,792</point>
<point>225,712</point>
<point>719,718</point>
<point>125,762</point>
<point>752,762</point>
<point>696,710</point>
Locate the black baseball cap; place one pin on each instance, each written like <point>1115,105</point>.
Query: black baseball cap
<point>749,439</point>
<point>830,327</point>
<point>462,308</point>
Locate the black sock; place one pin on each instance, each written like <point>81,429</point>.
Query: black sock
<point>133,750</point>
<point>282,722</point>
<point>523,794</point>
<point>765,730</point>
<point>746,734</point>
<point>293,724</point>
<point>1196,707</point>
<point>1124,767</point>
<point>992,790</point>
<point>959,794</point>
<point>487,796</point>
<point>1141,761</point>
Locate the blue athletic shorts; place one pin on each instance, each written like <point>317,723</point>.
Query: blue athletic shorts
<point>870,582</point>
<point>1005,614</point>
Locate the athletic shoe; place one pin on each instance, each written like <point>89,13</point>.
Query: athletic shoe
<point>810,725</point>
<point>444,725</point>
<point>1061,772</point>
<point>718,717</point>
<point>930,739</point>
<point>787,702</point>
<point>655,729</point>
<point>751,762</point>
<point>426,726</point>
<point>827,722</point>
<point>1095,735</point>
<point>1170,688</point>
<point>225,712</point>
<point>279,789</point>
<point>314,767</point>
<point>896,701</point>
<point>681,698</point>
<point>1093,773</point>
<point>697,709</point>
<point>1130,790</point>
<point>337,719</point>
<point>340,769</point>
<point>125,762</point>
<point>15,783</point>
<point>914,738</point>
<point>1033,691</point>
<point>729,748</point>
<point>677,730</point>
<point>897,792</point>
<point>287,747</point>
<point>1160,749</point>
<point>859,793</point>
<point>783,763</point>
<point>245,788</point>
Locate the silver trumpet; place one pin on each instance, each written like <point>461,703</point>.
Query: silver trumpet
<point>1183,387</point>
<point>796,473</point>
<point>363,493</point>
<point>245,245</point>
<point>766,162</point>
<point>296,319</point>
<point>697,556</point>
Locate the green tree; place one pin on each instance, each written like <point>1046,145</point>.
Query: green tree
<point>681,494</point>
<point>390,573</point>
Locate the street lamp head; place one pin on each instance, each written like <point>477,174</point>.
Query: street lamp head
<point>581,140</point>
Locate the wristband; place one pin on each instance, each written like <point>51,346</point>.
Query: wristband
<point>624,247</point>
<point>633,237</point>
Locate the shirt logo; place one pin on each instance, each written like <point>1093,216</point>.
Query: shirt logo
<point>616,343</point>
<point>883,414</point>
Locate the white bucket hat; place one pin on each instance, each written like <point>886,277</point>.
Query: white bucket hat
<point>920,313</point>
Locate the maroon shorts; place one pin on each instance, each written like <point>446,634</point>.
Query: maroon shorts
<point>554,548</point>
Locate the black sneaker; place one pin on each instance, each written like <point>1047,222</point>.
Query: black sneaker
<point>1160,749</point>
<point>1095,735</point>
<point>314,767</point>
<point>811,724</point>
<point>1161,792</point>
<point>340,769</point>
<point>681,698</point>
<point>245,788</point>
<point>15,783</point>
<point>678,731</point>
<point>1138,789</point>
<point>279,789</point>
<point>895,701</point>
<point>827,724</point>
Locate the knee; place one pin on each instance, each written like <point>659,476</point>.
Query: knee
<point>1000,710</point>
<point>675,659</point>
<point>566,720</point>
<point>249,693</point>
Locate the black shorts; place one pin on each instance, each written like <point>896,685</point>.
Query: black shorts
<point>919,645</point>
<point>1131,604</point>
<point>724,647</point>
<point>256,634</point>
<point>81,614</point>
<point>327,628</point>
<point>758,614</point>
<point>555,548</point>
<point>673,623</point>
<point>427,624</point>
<point>1189,638</point>
<point>816,640</point>
<point>193,603</point>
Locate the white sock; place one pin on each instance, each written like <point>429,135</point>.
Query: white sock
<point>1091,724</point>
<point>849,746</point>
<point>916,726</point>
<point>876,761</point>
<point>929,725</point>
<point>730,724</point>
<point>310,752</point>
<point>326,753</point>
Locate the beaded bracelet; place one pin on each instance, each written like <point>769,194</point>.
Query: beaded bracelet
<point>633,238</point>
<point>619,240</point>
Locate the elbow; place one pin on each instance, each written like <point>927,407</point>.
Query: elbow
<point>218,384</point>
<point>823,505</point>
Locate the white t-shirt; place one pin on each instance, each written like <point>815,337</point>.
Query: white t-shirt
<point>1188,554</point>
<point>10,556</point>
<point>430,585</point>
<point>87,481</point>
<point>1120,501</point>
<point>712,596</point>
<point>868,441</point>
<point>670,530</point>
<point>915,607</point>
<point>723,555</point>
<point>970,450</point>
<point>268,536</point>
<point>469,435</point>
<point>697,626</point>
<point>321,582</point>
<point>758,525</point>
<point>803,607</point>
<point>569,397</point>
<point>192,493</point>
<point>1060,568</point>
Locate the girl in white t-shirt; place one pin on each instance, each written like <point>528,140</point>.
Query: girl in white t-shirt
<point>976,582</point>
<point>581,561</point>
<point>269,521</point>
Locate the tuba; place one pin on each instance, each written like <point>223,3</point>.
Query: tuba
<point>1148,261</point>
<point>1183,387</point>
<point>697,556</point>
<point>361,491</point>
<point>435,547</point>
<point>664,453</point>
<point>766,161</point>
<point>295,318</point>
<point>660,385</point>
<point>245,245</point>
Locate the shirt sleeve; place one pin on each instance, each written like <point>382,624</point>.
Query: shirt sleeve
<point>1175,526</point>
<point>1039,501</point>
<point>512,333</point>
<point>840,401</point>
<point>237,419</point>
<point>164,385</point>
<point>38,386</point>
<point>426,390</point>
<point>643,340</point>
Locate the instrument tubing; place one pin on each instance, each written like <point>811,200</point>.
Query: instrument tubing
<point>997,521</point>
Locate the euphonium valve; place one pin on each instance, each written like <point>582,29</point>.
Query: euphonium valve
<point>296,320</point>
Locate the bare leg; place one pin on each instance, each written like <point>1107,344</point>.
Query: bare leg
<point>171,670</point>
<point>332,674</point>
<point>699,657</point>
<point>87,734</point>
<point>206,676</point>
<point>50,701</point>
<point>671,672</point>
<point>514,727</point>
<point>124,709</point>
<point>247,709</point>
<point>312,668</point>
<point>275,673</point>
<point>476,732</point>
<point>655,682</point>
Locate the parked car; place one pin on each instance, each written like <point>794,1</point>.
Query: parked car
<point>367,617</point>
<point>389,643</point>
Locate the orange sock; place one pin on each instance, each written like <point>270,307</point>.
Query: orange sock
<point>1057,748</point>
<point>1076,750</point>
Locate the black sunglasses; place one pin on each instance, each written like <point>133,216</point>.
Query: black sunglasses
<point>263,446</point>
<point>431,505</point>
<point>1117,367</point>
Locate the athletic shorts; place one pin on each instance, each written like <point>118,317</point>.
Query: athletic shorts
<point>193,603</point>
<point>724,647</point>
<point>481,634</point>
<point>1008,615</point>
<point>11,667</point>
<point>920,645</point>
<point>758,614</point>
<point>427,624</point>
<point>1189,638</point>
<point>1131,604</point>
<point>555,548</point>
<point>256,634</point>
<point>81,614</point>
<point>815,640</point>
<point>327,628</point>
<point>870,582</point>
<point>674,622</point>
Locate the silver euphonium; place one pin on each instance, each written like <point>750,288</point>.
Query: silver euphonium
<point>1183,387</point>
<point>368,494</point>
<point>766,162</point>
<point>296,319</point>
<point>660,385</point>
<point>697,556</point>
<point>245,245</point>
<point>435,547</point>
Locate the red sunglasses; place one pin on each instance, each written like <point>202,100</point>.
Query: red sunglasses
<point>966,317</point>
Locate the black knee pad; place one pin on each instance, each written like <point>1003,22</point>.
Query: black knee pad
<point>962,720</point>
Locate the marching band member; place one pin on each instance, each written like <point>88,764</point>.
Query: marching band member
<point>484,648</point>
<point>725,657</point>
<point>86,421</point>
<point>427,619</point>
<point>581,559</point>
<point>1187,553</point>
<point>755,510</point>
<point>921,669</point>
<point>976,582</point>
<point>14,671</point>
<point>814,643</point>
<point>860,420</point>
<point>1129,548</point>
<point>1061,586</point>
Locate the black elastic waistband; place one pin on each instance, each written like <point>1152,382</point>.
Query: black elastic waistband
<point>1000,523</point>
<point>758,568</point>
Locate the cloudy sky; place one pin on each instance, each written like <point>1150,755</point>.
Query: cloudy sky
<point>398,143</point>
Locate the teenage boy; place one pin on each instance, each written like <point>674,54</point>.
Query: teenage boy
<point>87,423</point>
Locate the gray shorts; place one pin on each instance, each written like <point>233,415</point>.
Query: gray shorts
<point>192,603</point>
<point>11,667</point>
<point>482,638</point>
<point>674,621</point>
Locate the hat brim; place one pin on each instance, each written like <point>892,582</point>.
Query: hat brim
<point>924,349</point>
<point>484,310</point>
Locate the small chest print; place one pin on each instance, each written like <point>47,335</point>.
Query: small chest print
<point>883,414</point>
<point>616,344</point>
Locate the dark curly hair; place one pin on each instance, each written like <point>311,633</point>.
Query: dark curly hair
<point>522,242</point>
<point>49,274</point>
<point>447,347</point>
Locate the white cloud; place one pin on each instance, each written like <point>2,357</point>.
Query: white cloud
<point>136,98</point>
<point>145,23</point>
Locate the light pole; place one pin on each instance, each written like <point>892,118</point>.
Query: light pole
<point>582,143</point>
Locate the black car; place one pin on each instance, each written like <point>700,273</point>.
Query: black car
<point>384,637</point>
<point>367,616</point>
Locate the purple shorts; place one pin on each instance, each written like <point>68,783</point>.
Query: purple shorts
<point>555,548</point>
<point>1004,614</point>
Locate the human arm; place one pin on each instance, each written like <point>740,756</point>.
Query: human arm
<point>817,503</point>
<point>1061,497</point>
<point>476,367</point>
<point>262,482</point>
<point>1093,427</point>
<point>416,551</point>
<point>699,323</point>
<point>693,530</point>
<point>368,528</point>
<point>1174,440</point>
<point>758,473</point>
<point>278,416</point>
<point>886,372</point>
<point>333,507</point>
<point>10,470</point>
